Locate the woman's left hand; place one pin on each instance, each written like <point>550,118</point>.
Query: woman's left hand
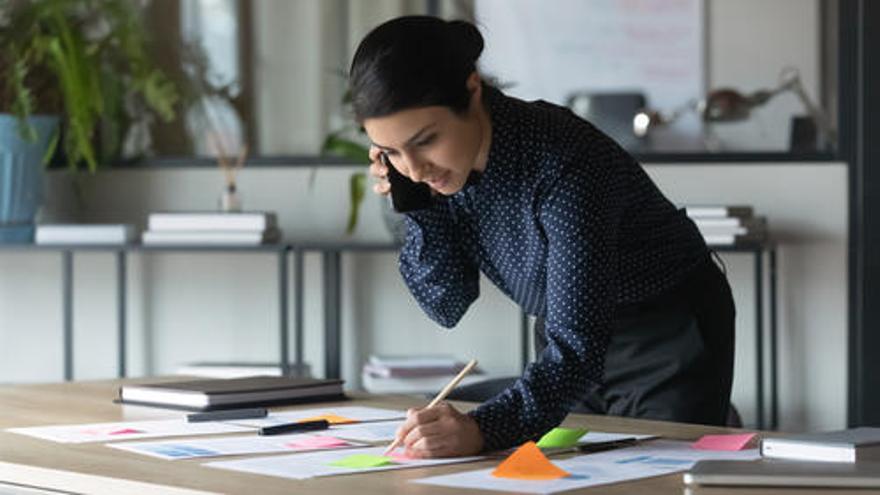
<point>440,431</point>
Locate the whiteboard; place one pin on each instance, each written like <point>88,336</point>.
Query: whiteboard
<point>549,50</point>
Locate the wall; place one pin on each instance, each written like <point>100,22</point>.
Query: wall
<point>303,47</point>
<point>806,206</point>
<point>752,41</point>
<point>221,307</point>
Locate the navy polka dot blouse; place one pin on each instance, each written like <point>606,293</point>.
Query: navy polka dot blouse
<point>566,224</point>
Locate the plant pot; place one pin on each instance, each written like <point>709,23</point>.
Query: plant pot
<point>21,176</point>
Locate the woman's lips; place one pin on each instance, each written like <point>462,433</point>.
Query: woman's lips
<point>439,182</point>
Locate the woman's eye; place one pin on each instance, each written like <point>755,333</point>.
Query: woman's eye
<point>428,140</point>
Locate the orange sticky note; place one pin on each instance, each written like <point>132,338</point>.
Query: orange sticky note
<point>333,419</point>
<point>737,441</point>
<point>528,463</point>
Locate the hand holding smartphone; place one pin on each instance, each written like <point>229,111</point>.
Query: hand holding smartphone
<point>406,195</point>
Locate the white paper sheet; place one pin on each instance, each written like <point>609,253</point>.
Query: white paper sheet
<point>238,445</point>
<point>303,466</point>
<point>367,432</point>
<point>654,458</point>
<point>352,412</point>
<point>129,430</point>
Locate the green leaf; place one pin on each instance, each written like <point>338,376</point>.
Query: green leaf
<point>357,185</point>
<point>80,117</point>
<point>23,104</point>
<point>346,148</point>
<point>356,152</point>
<point>53,144</point>
<point>161,95</point>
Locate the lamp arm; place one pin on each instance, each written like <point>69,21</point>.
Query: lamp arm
<point>792,82</point>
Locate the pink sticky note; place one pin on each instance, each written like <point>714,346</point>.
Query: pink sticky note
<point>401,457</point>
<point>317,442</point>
<point>124,431</point>
<point>737,441</point>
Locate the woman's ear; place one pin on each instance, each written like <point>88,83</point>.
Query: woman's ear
<point>475,88</point>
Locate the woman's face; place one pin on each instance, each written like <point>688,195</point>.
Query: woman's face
<point>433,145</point>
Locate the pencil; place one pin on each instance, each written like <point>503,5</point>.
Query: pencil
<point>440,396</point>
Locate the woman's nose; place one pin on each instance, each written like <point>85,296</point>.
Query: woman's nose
<point>417,169</point>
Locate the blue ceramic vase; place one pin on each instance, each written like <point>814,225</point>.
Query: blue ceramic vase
<point>21,176</point>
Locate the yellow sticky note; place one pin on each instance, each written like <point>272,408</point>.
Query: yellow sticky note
<point>560,438</point>
<point>333,419</point>
<point>528,463</point>
<point>362,461</point>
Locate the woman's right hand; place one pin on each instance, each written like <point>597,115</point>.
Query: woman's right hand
<point>379,172</point>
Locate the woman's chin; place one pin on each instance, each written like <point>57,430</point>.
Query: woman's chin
<point>446,190</point>
<point>447,187</point>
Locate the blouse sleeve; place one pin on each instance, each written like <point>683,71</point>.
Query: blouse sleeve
<point>580,217</point>
<point>440,276</point>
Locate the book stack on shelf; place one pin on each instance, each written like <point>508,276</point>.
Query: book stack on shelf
<point>84,234</point>
<point>728,225</point>
<point>210,228</point>
<point>413,374</point>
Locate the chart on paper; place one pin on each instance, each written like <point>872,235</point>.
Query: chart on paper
<point>130,430</point>
<point>237,445</point>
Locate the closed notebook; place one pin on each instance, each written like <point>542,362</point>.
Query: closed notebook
<point>208,394</point>
<point>769,472</point>
<point>855,444</point>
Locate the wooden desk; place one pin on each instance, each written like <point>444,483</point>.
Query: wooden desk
<point>94,468</point>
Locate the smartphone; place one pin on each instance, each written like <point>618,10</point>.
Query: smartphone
<point>406,195</point>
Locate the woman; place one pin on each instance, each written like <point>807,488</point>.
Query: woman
<point>633,315</point>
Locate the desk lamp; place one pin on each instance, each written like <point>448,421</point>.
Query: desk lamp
<point>729,105</point>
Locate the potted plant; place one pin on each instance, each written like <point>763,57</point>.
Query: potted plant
<point>350,142</point>
<point>339,144</point>
<point>83,64</point>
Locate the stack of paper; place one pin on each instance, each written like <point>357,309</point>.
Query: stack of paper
<point>413,374</point>
<point>728,225</point>
<point>197,228</point>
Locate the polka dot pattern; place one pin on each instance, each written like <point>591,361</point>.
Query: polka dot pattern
<point>566,224</point>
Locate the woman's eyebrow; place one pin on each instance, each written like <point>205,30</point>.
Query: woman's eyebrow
<point>415,137</point>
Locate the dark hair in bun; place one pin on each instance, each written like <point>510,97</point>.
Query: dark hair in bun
<point>411,62</point>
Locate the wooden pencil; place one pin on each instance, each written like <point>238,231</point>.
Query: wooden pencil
<point>440,396</point>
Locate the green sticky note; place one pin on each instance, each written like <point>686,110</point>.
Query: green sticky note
<point>560,438</point>
<point>362,461</point>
